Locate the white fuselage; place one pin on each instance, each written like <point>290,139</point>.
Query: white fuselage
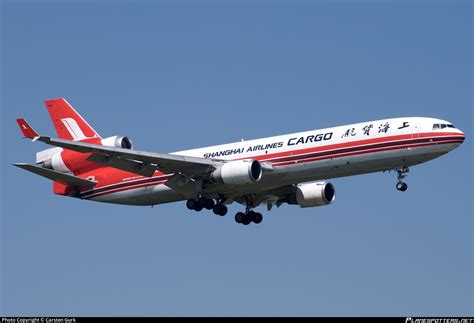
<point>308,156</point>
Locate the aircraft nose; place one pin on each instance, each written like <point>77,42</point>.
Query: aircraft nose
<point>461,136</point>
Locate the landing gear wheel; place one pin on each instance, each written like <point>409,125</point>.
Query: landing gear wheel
<point>247,218</point>
<point>223,210</point>
<point>199,205</point>
<point>257,218</point>
<point>209,204</point>
<point>402,173</point>
<point>402,186</point>
<point>220,209</point>
<point>191,204</point>
<point>251,215</point>
<point>239,217</point>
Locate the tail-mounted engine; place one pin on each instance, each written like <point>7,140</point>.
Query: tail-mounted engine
<point>238,172</point>
<point>118,142</point>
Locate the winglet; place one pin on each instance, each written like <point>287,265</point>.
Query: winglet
<point>26,129</point>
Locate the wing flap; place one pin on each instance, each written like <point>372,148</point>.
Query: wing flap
<point>56,176</point>
<point>131,166</point>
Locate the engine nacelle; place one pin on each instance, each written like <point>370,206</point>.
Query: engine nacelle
<point>238,172</point>
<point>313,194</point>
<point>55,162</point>
<point>65,160</point>
<point>118,142</point>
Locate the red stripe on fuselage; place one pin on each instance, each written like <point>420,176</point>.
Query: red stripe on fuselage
<point>358,148</point>
<point>116,190</point>
<point>326,152</point>
<point>128,183</point>
<point>268,157</point>
<point>364,151</point>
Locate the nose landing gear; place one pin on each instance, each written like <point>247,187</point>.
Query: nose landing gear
<point>402,173</point>
<point>401,186</point>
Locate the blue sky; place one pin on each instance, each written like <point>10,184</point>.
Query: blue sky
<point>180,75</point>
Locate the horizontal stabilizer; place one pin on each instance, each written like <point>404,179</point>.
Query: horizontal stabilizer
<point>56,176</point>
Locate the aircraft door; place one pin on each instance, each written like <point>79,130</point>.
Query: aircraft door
<point>416,130</point>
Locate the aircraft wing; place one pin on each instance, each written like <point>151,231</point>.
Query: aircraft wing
<point>135,161</point>
<point>167,163</point>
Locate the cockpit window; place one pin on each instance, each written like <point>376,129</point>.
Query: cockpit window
<point>437,126</point>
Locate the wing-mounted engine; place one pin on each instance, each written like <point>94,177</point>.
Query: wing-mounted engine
<point>238,172</point>
<point>313,194</point>
<point>118,142</point>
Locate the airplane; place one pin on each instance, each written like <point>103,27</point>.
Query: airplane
<point>292,168</point>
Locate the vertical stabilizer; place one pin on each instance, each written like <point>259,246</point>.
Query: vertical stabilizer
<point>68,123</point>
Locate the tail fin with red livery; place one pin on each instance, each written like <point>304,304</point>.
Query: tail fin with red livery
<point>68,123</point>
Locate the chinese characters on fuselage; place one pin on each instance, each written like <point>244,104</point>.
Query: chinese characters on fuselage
<point>382,128</point>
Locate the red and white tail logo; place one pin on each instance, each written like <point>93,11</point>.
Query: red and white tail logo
<point>68,123</point>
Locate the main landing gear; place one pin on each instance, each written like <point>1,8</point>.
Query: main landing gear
<point>402,186</point>
<point>246,218</point>
<point>219,208</point>
<point>205,203</point>
<point>249,215</point>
